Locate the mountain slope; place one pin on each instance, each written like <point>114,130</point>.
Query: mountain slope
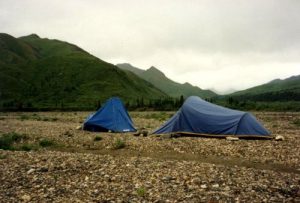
<point>129,67</point>
<point>50,73</point>
<point>159,80</point>
<point>276,90</point>
<point>14,51</point>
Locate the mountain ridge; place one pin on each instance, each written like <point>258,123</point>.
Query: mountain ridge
<point>41,72</point>
<point>276,90</point>
<point>172,88</point>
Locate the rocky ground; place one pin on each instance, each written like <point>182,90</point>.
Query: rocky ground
<point>106,167</point>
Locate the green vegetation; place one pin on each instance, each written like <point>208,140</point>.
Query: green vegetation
<point>119,144</point>
<point>46,143</point>
<point>248,105</point>
<point>161,116</point>
<point>3,156</point>
<point>286,90</point>
<point>173,89</point>
<point>97,138</point>
<point>276,90</point>
<point>24,117</point>
<point>28,147</point>
<point>277,95</point>
<point>162,104</point>
<point>44,74</point>
<point>141,192</point>
<point>15,141</point>
<point>12,141</point>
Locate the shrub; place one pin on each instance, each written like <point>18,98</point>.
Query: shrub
<point>7,140</point>
<point>24,117</point>
<point>28,147</point>
<point>119,144</point>
<point>141,192</point>
<point>97,138</point>
<point>46,143</point>
<point>54,119</point>
<point>45,119</point>
<point>11,141</point>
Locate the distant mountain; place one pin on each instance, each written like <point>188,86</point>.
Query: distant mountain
<point>129,67</point>
<point>275,90</point>
<point>41,72</point>
<point>162,82</point>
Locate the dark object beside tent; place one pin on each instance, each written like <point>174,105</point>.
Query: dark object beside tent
<point>197,116</point>
<point>111,117</point>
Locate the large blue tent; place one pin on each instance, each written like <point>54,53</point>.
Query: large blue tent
<point>197,116</point>
<point>112,116</point>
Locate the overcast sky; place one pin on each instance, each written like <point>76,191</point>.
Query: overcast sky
<point>223,45</point>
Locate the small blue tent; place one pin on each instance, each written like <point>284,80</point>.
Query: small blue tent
<point>112,116</point>
<point>197,116</point>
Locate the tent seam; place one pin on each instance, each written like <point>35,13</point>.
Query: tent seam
<point>238,124</point>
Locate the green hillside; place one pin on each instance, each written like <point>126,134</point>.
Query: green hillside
<point>44,73</point>
<point>13,51</point>
<point>159,80</point>
<point>276,90</point>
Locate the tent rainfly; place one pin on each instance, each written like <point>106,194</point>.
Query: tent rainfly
<point>112,116</point>
<point>196,116</point>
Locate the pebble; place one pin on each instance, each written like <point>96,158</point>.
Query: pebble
<point>134,174</point>
<point>227,188</point>
<point>26,198</point>
<point>30,171</point>
<point>279,138</point>
<point>203,186</point>
<point>215,185</point>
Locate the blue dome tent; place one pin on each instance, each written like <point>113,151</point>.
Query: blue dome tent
<point>112,116</point>
<point>197,116</point>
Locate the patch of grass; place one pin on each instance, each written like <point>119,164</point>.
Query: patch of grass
<point>28,147</point>
<point>297,122</point>
<point>119,144</point>
<point>9,139</point>
<point>54,119</point>
<point>15,141</point>
<point>47,119</point>
<point>141,192</point>
<point>24,117</point>
<point>3,156</point>
<point>97,138</point>
<point>47,143</point>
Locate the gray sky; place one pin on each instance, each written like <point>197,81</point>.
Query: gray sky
<point>217,44</point>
